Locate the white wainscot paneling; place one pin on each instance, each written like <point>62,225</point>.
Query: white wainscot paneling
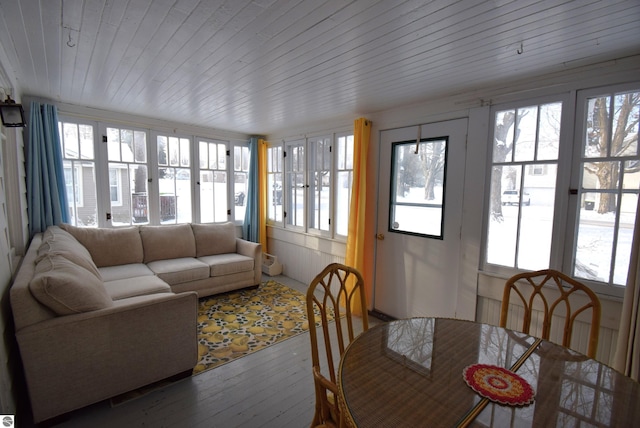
<point>303,256</point>
<point>488,311</point>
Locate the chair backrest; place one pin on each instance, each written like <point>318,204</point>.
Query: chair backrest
<point>556,296</point>
<point>336,294</point>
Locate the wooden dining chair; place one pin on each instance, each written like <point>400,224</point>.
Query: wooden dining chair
<point>336,300</point>
<point>551,295</point>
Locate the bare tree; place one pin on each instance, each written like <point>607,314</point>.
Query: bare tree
<point>433,159</point>
<point>619,134</point>
<point>502,146</point>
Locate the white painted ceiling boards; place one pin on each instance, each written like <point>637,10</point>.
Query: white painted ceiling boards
<point>258,66</point>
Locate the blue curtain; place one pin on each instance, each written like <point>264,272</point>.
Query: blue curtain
<point>251,226</point>
<point>46,194</point>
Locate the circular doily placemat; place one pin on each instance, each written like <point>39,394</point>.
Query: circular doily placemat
<point>498,384</point>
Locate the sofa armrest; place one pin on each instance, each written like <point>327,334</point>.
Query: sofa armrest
<point>76,360</point>
<point>253,250</point>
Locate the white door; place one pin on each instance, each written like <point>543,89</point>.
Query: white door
<point>418,231</point>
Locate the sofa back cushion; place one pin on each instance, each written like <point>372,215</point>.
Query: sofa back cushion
<point>109,247</point>
<point>214,239</point>
<point>67,288</point>
<point>167,242</point>
<point>58,241</point>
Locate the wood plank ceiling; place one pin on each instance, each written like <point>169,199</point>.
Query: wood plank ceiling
<point>259,66</point>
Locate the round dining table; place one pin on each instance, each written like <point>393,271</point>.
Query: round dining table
<point>440,372</point>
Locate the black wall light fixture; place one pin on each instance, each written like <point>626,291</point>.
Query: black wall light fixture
<point>12,114</point>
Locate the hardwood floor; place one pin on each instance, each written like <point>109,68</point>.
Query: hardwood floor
<point>269,388</point>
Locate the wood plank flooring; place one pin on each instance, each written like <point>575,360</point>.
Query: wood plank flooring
<point>269,388</point>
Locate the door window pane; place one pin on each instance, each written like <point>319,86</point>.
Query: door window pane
<point>418,187</point>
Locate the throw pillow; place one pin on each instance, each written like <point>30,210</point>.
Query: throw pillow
<point>67,288</point>
<point>58,241</point>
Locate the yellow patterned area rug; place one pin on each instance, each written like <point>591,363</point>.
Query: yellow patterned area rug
<point>238,323</point>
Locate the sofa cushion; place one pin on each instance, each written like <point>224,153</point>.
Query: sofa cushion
<point>67,288</point>
<point>214,238</point>
<point>227,264</point>
<point>109,247</point>
<point>177,271</point>
<point>136,286</point>
<point>58,241</point>
<point>113,273</point>
<point>167,242</point>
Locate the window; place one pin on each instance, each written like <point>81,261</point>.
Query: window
<point>128,176</point>
<point>213,181</point>
<point>241,157</point>
<point>295,183</point>
<point>319,182</point>
<point>310,182</point>
<point>174,179</point>
<point>115,187</point>
<point>525,140</point>
<point>586,227</point>
<point>608,186</point>
<point>418,187</point>
<point>274,183</point>
<point>78,161</point>
<point>343,183</point>
<point>73,184</point>
<point>159,180</point>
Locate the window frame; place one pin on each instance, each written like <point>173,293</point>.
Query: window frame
<point>285,147</point>
<point>102,179</point>
<point>79,164</point>
<point>566,205</point>
<point>290,216</point>
<point>560,220</point>
<point>231,179</point>
<point>312,213</point>
<point>275,170</point>
<point>336,176</point>
<point>605,289</point>
<point>153,168</point>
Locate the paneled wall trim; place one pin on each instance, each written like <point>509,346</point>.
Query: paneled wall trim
<point>490,290</point>
<point>303,255</point>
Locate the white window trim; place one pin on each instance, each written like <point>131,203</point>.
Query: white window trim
<point>559,221</point>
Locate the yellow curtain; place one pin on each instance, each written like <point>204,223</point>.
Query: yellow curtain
<point>262,185</point>
<point>354,256</point>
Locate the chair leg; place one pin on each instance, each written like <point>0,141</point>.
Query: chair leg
<point>317,416</point>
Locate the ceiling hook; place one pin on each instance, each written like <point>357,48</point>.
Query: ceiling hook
<point>520,49</point>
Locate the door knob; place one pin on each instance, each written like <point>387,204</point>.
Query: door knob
<point>380,236</point>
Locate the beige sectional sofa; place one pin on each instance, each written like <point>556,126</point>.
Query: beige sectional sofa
<point>99,312</point>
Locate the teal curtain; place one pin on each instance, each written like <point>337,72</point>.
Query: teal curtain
<point>251,225</point>
<point>46,193</point>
